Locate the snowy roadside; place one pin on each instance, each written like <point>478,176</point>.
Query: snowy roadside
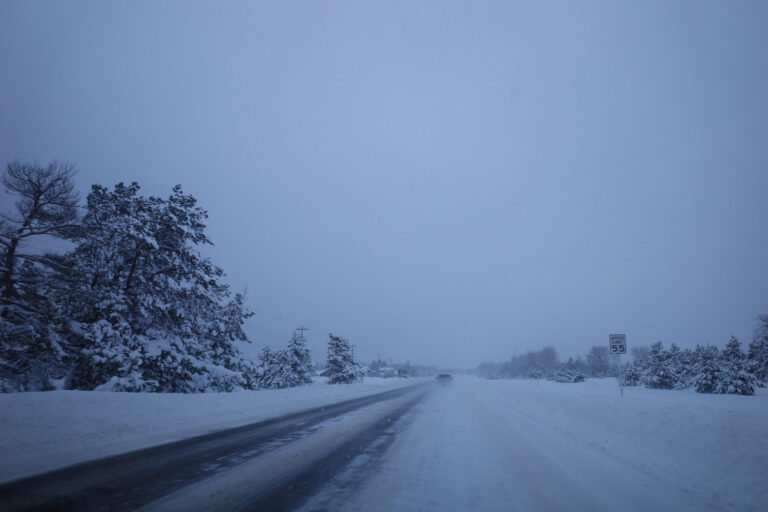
<point>44,431</point>
<point>711,445</point>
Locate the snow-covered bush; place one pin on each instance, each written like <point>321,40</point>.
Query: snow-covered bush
<point>341,362</point>
<point>632,374</point>
<point>563,374</point>
<point>533,373</point>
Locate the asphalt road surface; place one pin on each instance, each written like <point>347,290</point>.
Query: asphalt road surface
<point>130,481</point>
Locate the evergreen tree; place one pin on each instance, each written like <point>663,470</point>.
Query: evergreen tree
<point>272,371</point>
<point>657,371</point>
<point>674,363</point>
<point>707,368</point>
<point>733,377</point>
<point>33,331</point>
<point>341,361</point>
<point>758,351</point>
<point>151,313</point>
<point>299,360</point>
<point>686,369</point>
<point>285,368</point>
<point>632,374</point>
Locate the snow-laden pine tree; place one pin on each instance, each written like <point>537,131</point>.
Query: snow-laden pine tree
<point>734,377</point>
<point>299,360</point>
<point>706,368</point>
<point>287,368</point>
<point>272,371</point>
<point>149,312</point>
<point>674,364</point>
<point>657,370</point>
<point>758,351</point>
<point>686,369</point>
<point>33,332</point>
<point>341,361</point>
<point>680,363</point>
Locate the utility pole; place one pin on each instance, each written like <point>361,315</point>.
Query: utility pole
<point>301,330</point>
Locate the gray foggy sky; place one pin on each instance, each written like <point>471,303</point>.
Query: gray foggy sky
<point>440,182</point>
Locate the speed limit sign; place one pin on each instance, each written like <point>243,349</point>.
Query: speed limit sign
<point>618,343</point>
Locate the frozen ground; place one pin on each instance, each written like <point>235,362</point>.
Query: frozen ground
<point>44,431</point>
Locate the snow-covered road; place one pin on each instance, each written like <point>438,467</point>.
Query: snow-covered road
<point>467,449</point>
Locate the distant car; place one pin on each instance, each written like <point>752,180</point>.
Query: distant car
<point>444,378</point>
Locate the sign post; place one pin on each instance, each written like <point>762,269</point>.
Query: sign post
<point>618,346</point>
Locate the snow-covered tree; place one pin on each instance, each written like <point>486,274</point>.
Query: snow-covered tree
<point>733,377</point>
<point>286,368</point>
<point>299,360</point>
<point>686,369</point>
<point>272,370</point>
<point>632,374</point>
<point>341,361</point>
<point>33,332</point>
<point>706,369</point>
<point>758,351</point>
<point>150,312</point>
<point>680,363</point>
<point>657,371</point>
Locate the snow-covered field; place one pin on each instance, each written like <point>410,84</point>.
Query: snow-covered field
<point>47,430</point>
<point>713,446</point>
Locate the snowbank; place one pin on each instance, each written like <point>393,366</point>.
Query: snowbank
<point>713,445</point>
<point>47,430</point>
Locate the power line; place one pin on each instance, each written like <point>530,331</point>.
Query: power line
<point>264,332</point>
<point>264,313</point>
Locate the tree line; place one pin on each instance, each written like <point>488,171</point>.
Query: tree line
<point>707,369</point>
<point>130,305</point>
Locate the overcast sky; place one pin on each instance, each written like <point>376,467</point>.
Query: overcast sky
<point>440,182</point>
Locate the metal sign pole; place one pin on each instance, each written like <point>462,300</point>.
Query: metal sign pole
<point>621,378</point>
